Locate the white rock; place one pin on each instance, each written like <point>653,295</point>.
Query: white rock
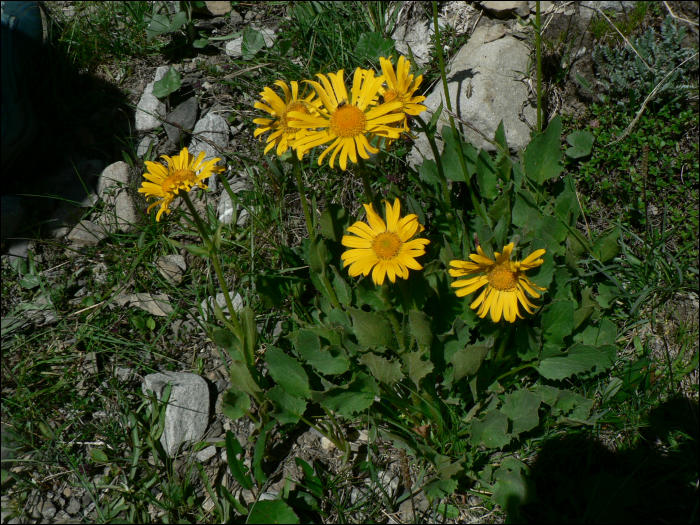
<point>419,36</point>
<point>206,453</point>
<point>155,304</point>
<point>588,9</point>
<point>208,304</point>
<point>149,108</point>
<point>327,444</point>
<point>213,128</point>
<point>187,413</point>
<point>172,267</point>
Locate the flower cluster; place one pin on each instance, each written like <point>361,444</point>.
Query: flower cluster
<point>375,107</point>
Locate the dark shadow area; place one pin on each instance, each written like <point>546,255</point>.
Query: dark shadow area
<point>579,480</point>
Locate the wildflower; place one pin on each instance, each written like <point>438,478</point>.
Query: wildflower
<point>401,86</point>
<point>347,119</point>
<point>505,282</point>
<point>282,134</point>
<point>384,248</point>
<point>183,172</point>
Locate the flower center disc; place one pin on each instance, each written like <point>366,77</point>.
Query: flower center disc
<point>178,180</point>
<point>386,246</point>
<point>502,278</point>
<point>294,106</point>
<point>348,121</point>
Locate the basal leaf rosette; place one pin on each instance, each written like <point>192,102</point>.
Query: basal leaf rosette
<point>282,134</point>
<point>505,281</point>
<point>346,119</point>
<point>384,248</point>
<point>182,174</point>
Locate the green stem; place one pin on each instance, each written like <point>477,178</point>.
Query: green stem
<point>369,195</point>
<point>302,196</point>
<point>539,65</point>
<point>213,253</point>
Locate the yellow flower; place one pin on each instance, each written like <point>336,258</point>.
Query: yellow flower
<point>385,247</point>
<point>181,174</point>
<point>401,86</point>
<point>347,119</point>
<point>282,134</point>
<point>505,282</point>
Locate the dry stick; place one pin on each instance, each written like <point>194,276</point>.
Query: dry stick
<point>673,15</point>
<point>625,39</point>
<point>647,100</point>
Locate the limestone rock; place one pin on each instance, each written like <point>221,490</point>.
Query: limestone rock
<point>208,304</point>
<point>185,114</point>
<point>87,233</point>
<point>150,110</point>
<point>214,128</point>
<point>172,267</point>
<point>507,9</point>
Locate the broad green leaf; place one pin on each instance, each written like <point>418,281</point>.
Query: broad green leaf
<point>168,84</point>
<point>579,359</point>
<point>501,207</point>
<point>606,245</point>
<point>428,173</point>
<point>242,378</point>
<point>372,46</point>
<point>384,371</point>
<point>586,309</point>
<point>98,455</point>
<point>513,488</point>
<point>413,206</point>
<point>524,210</point>
<point>486,175</point>
<point>238,470</point>
<point>253,42</point>
<point>274,290</point>
<point>158,25</point>
<point>521,408</point>
<point>234,403</point>
<point>420,327</point>
<point>492,430</point>
<point>370,329</point>
<point>318,255</point>
<point>334,221</point>
<point>500,138</point>
<point>572,407</point>
<point>288,409</point>
<point>287,372</point>
<point>606,295</point>
<point>330,361</point>
<point>467,361</point>
<point>581,144</point>
<point>549,227</point>
<point>30,282</point>
<point>450,157</point>
<point>347,400</point>
<point>415,367</point>
<point>444,482</point>
<point>548,394</point>
<point>501,231</point>
<point>449,511</point>
<point>543,154</point>
<point>342,290</point>
<point>558,320</point>
<point>275,511</point>
<point>197,250</point>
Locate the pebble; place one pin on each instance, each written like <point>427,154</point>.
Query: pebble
<point>73,506</point>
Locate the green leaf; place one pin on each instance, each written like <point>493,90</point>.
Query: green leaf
<point>581,144</point>
<point>98,455</point>
<point>587,308</point>
<point>242,378</point>
<point>521,408</point>
<point>486,175</point>
<point>513,488</point>
<point>467,361</point>
<point>548,394</point>
<point>347,400</point>
<point>288,409</point>
<point>605,294</point>
<point>428,173</point>
<point>500,138</point>
<point>253,42</point>
<point>415,367</point>
<point>370,329</point>
<point>524,210</point>
<point>234,403</point>
<point>449,511</point>
<point>318,255</point>
<point>330,361</point>
<point>168,84</point>
<point>371,46</point>
<point>606,245</point>
<point>492,430</point>
<point>450,157</point>
<point>275,511</point>
<point>287,372</point>
<point>158,25</point>
<point>501,207</point>
<point>543,154</point>
<point>30,282</point>
<point>334,221</point>
<point>385,371</point>
<point>579,359</point>
<point>197,250</point>
<point>413,206</point>
<point>342,290</point>
<point>444,482</point>
<point>558,320</point>
<point>236,466</point>
<point>274,290</point>
<point>420,327</point>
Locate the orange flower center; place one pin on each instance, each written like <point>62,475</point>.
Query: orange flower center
<point>293,106</point>
<point>390,95</point>
<point>386,246</point>
<point>181,179</point>
<point>348,121</point>
<point>502,277</point>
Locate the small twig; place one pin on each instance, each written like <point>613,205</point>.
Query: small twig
<point>673,15</point>
<point>646,101</point>
<point>625,39</point>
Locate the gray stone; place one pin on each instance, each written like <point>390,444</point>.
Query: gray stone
<point>73,506</point>
<point>121,212</point>
<point>545,6</point>
<point>145,144</point>
<point>496,93</point>
<point>208,304</point>
<point>113,177</point>
<point>187,413</point>
<point>185,114</point>
<point>588,9</point>
<point>48,510</point>
<point>419,36</point>
<point>389,481</point>
<point>150,110</point>
<point>87,233</point>
<point>155,304</point>
<point>225,211</point>
<point>172,267</point>
<point>214,128</point>
<point>507,9</point>
<point>494,33</point>
<point>217,8</point>
<point>205,454</point>
<point>13,214</point>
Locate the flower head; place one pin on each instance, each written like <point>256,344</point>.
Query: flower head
<point>504,279</point>
<point>386,248</point>
<point>346,120</point>
<point>183,172</point>
<point>401,86</point>
<point>282,134</point>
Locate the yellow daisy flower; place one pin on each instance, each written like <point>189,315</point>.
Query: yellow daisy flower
<point>282,134</point>
<point>385,247</point>
<point>182,173</point>
<point>505,282</point>
<point>401,86</point>
<point>347,119</point>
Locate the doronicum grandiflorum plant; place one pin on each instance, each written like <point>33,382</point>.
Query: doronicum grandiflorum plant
<point>450,330</point>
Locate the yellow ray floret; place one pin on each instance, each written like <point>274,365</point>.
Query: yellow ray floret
<point>347,119</point>
<point>182,174</point>
<point>505,281</point>
<point>384,248</point>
